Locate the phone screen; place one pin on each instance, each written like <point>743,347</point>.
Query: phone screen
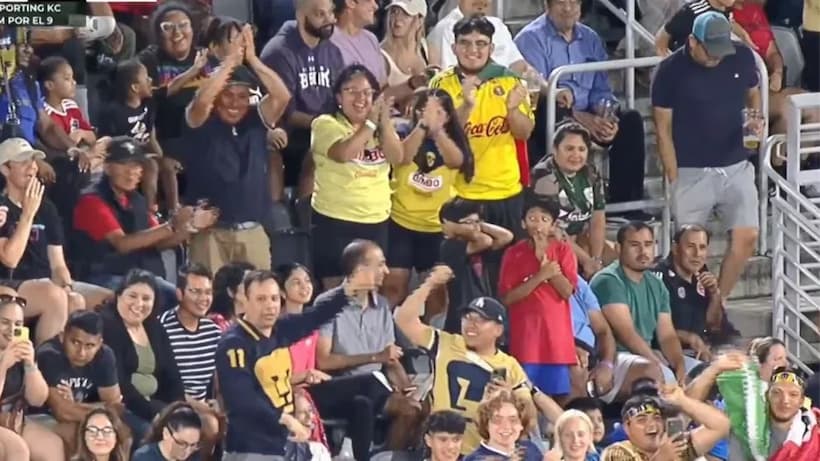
<point>499,374</point>
<point>674,427</point>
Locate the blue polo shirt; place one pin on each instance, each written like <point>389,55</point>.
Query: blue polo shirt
<point>546,50</point>
<point>707,105</point>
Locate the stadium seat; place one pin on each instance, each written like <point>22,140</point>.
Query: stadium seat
<point>789,45</point>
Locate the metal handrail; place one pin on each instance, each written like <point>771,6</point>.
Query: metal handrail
<point>621,14</point>
<point>779,180</point>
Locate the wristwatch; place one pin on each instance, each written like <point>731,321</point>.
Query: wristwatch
<point>371,125</point>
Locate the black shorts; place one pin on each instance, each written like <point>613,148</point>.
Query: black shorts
<point>331,236</point>
<point>506,213</point>
<point>411,249</point>
<point>13,284</point>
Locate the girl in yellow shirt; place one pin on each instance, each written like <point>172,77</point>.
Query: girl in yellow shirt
<point>435,152</point>
<point>352,150</point>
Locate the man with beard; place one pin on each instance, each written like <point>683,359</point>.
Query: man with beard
<point>636,304</point>
<point>308,62</point>
<point>645,425</point>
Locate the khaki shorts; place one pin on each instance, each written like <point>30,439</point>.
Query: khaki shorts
<point>216,247</point>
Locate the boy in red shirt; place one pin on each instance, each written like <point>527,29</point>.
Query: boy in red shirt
<point>538,276</point>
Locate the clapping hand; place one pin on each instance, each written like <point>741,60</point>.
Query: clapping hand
<point>434,116</point>
<point>440,275</point>
<point>517,96</point>
<point>204,218</point>
<point>469,88</point>
<point>201,59</point>
<point>363,280</point>
<point>248,43</point>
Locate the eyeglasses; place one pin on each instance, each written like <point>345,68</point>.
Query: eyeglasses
<point>479,44</point>
<point>8,299</point>
<point>169,27</point>
<point>368,93</point>
<point>96,432</point>
<point>183,444</point>
<point>200,292</point>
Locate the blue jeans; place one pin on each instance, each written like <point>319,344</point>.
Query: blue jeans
<point>166,295</point>
<point>139,428</point>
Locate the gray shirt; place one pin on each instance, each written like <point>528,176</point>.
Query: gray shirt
<point>360,330</point>
<point>736,452</point>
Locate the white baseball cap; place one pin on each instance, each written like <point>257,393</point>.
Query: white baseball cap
<point>18,150</point>
<point>411,7</point>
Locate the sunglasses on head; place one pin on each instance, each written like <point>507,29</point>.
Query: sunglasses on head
<point>8,299</point>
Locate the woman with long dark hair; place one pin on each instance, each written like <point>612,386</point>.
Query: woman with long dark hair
<point>229,296</point>
<point>296,285</point>
<point>101,436</point>
<point>147,372</point>
<point>174,436</point>
<point>435,152</point>
<point>353,150</point>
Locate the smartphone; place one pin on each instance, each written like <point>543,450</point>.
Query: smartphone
<point>21,334</point>
<point>674,426</point>
<point>499,375</point>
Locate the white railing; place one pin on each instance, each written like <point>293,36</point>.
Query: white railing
<point>795,236</point>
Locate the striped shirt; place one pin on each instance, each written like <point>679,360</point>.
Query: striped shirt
<point>194,352</point>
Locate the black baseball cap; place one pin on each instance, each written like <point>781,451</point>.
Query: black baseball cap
<point>123,149</point>
<point>243,76</point>
<point>489,308</point>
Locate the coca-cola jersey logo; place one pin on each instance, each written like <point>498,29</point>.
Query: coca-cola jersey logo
<point>496,126</point>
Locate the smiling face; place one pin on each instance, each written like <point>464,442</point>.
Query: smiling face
<point>232,104</point>
<point>473,51</point>
<point>177,35</point>
<point>505,425</point>
<point>576,439</point>
<point>645,431</point>
<point>135,303</point>
<point>356,98</point>
<point>11,318</point>
<point>197,296</point>
<point>478,332</point>
<point>100,435</point>
<point>691,251</point>
<point>785,400</point>
<point>444,446</point>
<point>299,287</point>
<point>263,304</point>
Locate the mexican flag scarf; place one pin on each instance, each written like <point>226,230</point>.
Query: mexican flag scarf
<point>803,440</point>
<point>745,396</point>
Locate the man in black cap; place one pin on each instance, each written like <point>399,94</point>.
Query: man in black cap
<point>698,96</point>
<point>115,230</point>
<point>466,364</point>
<point>227,157</point>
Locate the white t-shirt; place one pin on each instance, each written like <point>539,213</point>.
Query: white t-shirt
<point>441,39</point>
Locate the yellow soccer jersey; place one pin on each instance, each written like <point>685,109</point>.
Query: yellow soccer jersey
<point>460,376</point>
<point>418,196</point>
<point>355,191</point>
<point>497,174</point>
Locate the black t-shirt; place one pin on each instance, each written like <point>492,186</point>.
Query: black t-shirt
<point>171,109</point>
<point>680,26</point>
<point>687,299</point>
<point>469,281</point>
<point>151,452</point>
<point>122,120</point>
<point>84,382</point>
<point>47,230</point>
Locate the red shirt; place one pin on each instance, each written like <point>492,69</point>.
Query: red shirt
<point>94,217</point>
<point>68,116</point>
<point>752,18</point>
<point>540,324</point>
<point>137,9</point>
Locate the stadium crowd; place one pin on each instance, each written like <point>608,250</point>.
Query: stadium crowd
<point>297,239</point>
